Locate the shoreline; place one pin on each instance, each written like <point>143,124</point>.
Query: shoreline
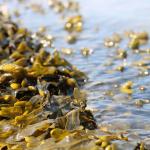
<point>41,104</point>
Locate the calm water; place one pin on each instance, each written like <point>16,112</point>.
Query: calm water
<point>112,109</point>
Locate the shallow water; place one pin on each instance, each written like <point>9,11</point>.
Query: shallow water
<point>112,109</point>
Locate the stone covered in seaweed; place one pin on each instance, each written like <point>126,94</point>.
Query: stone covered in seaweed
<point>36,91</point>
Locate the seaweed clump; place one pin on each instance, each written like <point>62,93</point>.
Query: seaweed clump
<point>39,92</point>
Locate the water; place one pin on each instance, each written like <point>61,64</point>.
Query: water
<point>113,110</point>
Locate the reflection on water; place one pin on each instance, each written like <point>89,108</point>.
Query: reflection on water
<point>102,18</point>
